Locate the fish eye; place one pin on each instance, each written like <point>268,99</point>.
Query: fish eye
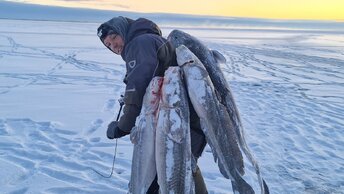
<point>188,62</point>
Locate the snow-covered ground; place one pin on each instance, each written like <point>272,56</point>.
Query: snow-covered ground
<point>59,88</point>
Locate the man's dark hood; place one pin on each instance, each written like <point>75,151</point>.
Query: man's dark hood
<point>142,26</point>
<point>139,27</point>
<point>117,25</point>
<point>127,28</point>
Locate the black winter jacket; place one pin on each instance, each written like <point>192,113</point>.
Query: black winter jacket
<point>147,54</point>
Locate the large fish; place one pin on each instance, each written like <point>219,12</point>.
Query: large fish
<point>143,169</point>
<point>212,60</point>
<point>215,121</point>
<point>173,141</point>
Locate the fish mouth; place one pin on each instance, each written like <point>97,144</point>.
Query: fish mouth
<point>188,62</point>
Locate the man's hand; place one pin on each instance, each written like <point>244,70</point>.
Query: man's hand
<point>114,131</point>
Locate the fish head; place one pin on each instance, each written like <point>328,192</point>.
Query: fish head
<point>177,38</point>
<point>185,56</point>
<point>190,63</point>
<point>135,135</point>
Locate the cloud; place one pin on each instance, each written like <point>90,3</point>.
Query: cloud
<point>97,2</point>
<point>109,4</point>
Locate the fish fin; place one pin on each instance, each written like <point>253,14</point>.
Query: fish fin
<point>134,135</point>
<point>266,188</point>
<point>215,155</point>
<point>242,186</point>
<point>235,187</point>
<point>223,170</point>
<point>218,56</point>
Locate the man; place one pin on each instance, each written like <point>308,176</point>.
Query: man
<point>147,54</point>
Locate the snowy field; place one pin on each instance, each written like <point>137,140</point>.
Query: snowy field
<point>59,88</point>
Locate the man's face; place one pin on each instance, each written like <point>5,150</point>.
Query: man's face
<point>115,43</point>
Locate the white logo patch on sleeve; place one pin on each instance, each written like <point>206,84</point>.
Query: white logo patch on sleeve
<point>132,63</point>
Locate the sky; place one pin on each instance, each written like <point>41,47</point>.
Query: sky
<point>275,9</point>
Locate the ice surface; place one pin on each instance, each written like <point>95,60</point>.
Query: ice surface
<point>59,88</point>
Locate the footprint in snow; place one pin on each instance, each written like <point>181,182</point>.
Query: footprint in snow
<point>94,126</point>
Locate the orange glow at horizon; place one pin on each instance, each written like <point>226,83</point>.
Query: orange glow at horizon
<point>274,9</point>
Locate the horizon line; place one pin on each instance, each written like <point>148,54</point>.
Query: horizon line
<point>175,13</point>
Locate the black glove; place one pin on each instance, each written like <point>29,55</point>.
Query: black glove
<point>114,131</point>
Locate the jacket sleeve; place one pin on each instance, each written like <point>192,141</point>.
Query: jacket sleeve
<point>141,62</point>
